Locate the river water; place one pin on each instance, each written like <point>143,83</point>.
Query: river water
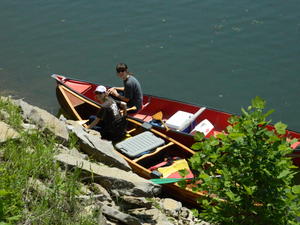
<point>216,53</point>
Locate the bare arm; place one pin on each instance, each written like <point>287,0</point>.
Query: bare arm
<point>119,88</point>
<point>114,92</point>
<point>94,123</point>
<point>123,107</point>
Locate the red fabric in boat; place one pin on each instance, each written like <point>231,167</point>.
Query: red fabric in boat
<point>167,161</point>
<point>177,175</point>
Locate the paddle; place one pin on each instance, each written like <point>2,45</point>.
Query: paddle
<point>124,113</point>
<point>159,116</point>
<point>168,180</point>
<point>173,180</point>
<point>81,122</point>
<point>131,108</point>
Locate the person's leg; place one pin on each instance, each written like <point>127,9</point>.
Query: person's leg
<point>97,127</point>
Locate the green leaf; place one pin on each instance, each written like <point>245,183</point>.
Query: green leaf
<point>14,218</point>
<point>296,189</point>
<point>3,193</point>
<point>249,190</point>
<point>214,209</point>
<point>205,202</point>
<point>195,161</point>
<point>3,223</point>
<point>283,148</point>
<point>230,195</point>
<point>199,136</point>
<point>280,128</point>
<point>183,172</point>
<point>267,172</point>
<point>284,173</point>
<point>214,156</point>
<point>213,141</point>
<point>204,176</point>
<point>218,171</point>
<point>244,112</point>
<point>233,119</point>
<point>197,146</point>
<point>238,137</point>
<point>269,113</point>
<point>258,103</point>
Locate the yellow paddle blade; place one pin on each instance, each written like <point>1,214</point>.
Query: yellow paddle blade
<point>158,116</point>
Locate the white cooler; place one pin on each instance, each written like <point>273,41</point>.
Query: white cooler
<point>179,121</point>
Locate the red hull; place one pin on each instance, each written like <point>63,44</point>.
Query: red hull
<point>168,107</point>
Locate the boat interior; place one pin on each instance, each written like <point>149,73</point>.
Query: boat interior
<point>164,150</point>
<point>213,121</point>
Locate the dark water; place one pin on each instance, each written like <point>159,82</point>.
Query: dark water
<point>215,53</point>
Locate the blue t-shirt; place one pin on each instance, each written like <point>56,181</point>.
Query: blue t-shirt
<point>133,91</point>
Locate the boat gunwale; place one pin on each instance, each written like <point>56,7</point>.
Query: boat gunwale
<point>55,76</point>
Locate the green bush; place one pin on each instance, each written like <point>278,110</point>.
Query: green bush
<point>246,172</point>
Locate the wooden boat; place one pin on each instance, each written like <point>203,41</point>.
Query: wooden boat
<point>182,118</point>
<point>79,107</point>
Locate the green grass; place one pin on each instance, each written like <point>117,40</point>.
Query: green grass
<point>15,118</point>
<point>31,158</point>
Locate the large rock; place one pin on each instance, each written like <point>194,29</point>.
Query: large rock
<point>6,132</point>
<point>120,216</point>
<point>43,119</point>
<point>171,206</point>
<point>4,115</point>
<point>99,149</point>
<point>130,202</point>
<point>74,152</point>
<point>152,216</point>
<point>113,179</point>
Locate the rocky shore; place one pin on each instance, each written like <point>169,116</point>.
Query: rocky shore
<point>109,185</point>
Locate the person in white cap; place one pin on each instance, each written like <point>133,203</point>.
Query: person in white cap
<point>109,121</point>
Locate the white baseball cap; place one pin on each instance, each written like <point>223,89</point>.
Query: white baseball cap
<point>100,89</point>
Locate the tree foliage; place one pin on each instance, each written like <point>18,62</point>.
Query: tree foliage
<point>246,172</point>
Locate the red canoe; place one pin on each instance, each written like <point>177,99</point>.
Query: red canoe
<point>183,119</point>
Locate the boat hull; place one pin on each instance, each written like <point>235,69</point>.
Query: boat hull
<point>153,104</point>
<point>78,108</point>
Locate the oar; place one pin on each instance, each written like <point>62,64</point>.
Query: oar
<point>173,180</point>
<point>159,116</point>
<point>168,180</point>
<point>81,122</point>
<point>124,113</point>
<point>131,108</point>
